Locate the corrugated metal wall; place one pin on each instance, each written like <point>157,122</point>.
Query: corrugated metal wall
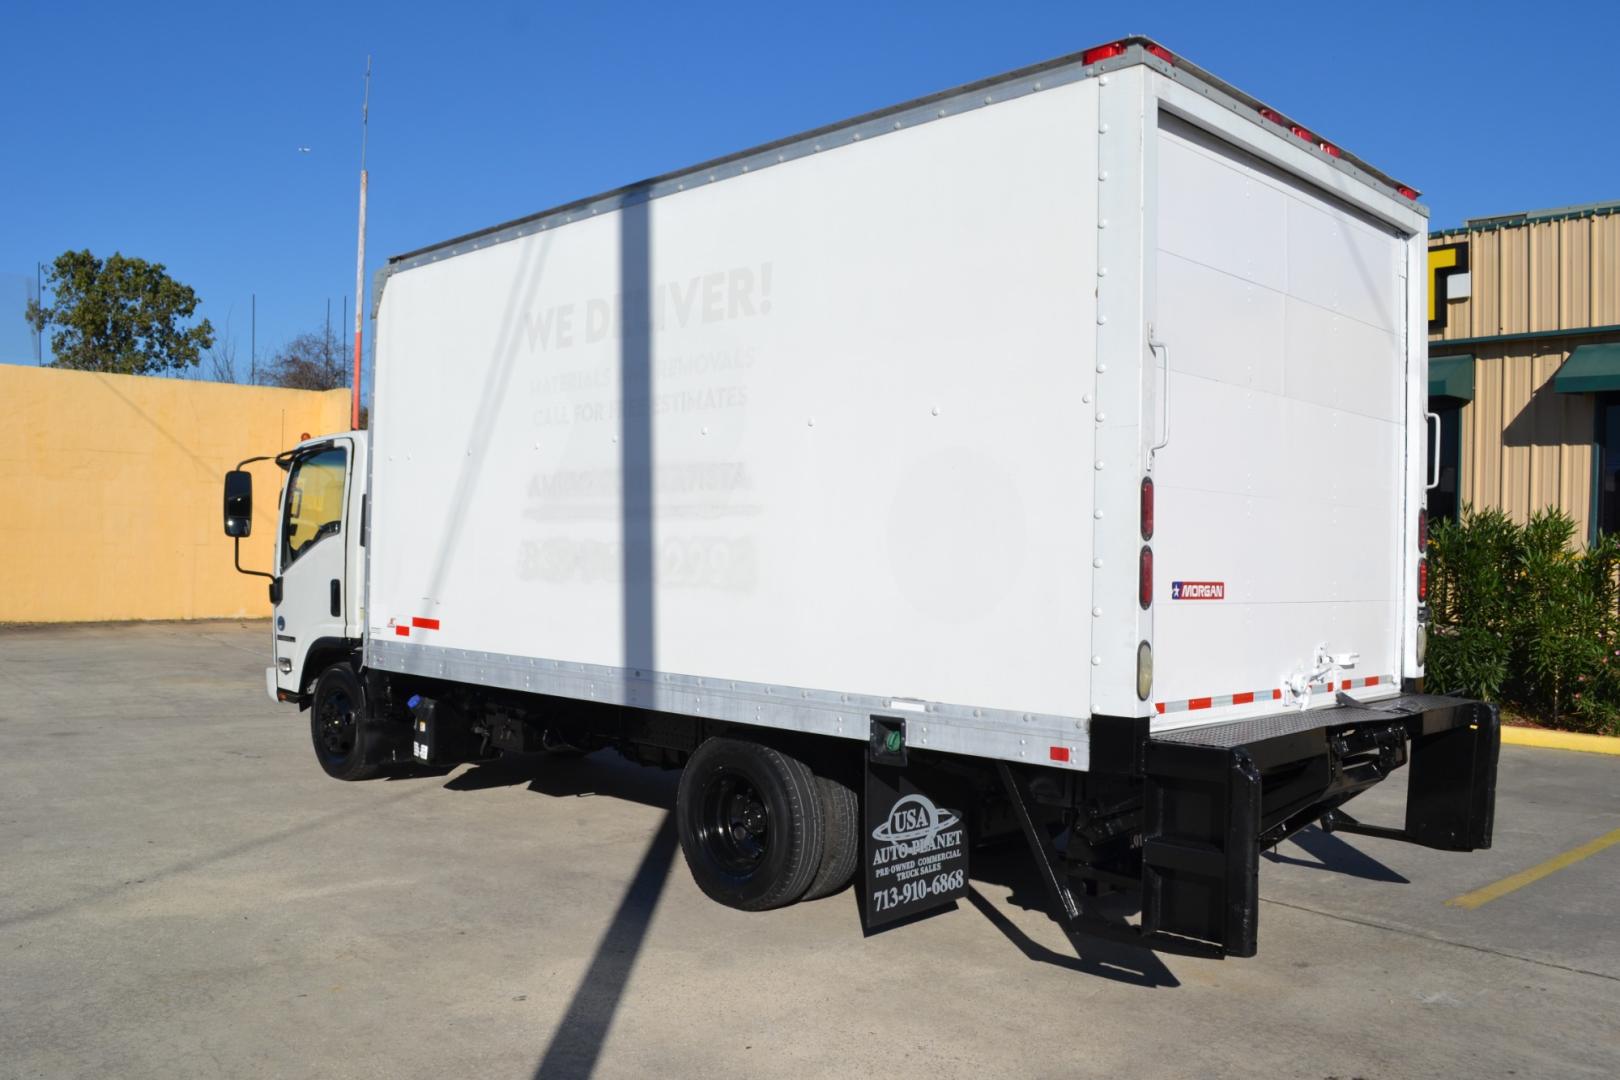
<point>1525,447</point>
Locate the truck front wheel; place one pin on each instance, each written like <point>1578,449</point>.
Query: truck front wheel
<point>336,724</point>
<point>750,822</point>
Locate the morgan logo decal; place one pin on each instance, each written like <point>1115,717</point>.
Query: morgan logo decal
<point>1198,590</point>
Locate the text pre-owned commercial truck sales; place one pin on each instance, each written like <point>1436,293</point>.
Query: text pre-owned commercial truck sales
<point>1046,456</point>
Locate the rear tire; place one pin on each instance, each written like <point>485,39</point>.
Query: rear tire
<point>841,843</point>
<point>750,823</point>
<point>337,727</point>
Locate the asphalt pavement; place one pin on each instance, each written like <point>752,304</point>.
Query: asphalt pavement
<point>183,893</point>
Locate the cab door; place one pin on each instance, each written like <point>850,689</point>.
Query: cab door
<point>312,555</point>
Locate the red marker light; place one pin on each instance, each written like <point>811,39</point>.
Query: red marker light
<point>1301,133</point>
<point>1099,53</point>
<point>304,437</point>
<point>1423,581</point>
<point>1162,53</point>
<point>1330,150</point>
<point>1267,114</point>
<point>1406,192</point>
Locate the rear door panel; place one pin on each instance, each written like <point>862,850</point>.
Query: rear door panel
<point>1284,310</point>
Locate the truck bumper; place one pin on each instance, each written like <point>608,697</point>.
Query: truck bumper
<point>1214,797</point>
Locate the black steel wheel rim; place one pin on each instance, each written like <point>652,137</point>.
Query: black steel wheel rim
<point>335,724</point>
<point>735,824</point>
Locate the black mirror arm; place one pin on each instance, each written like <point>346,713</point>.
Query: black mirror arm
<point>238,557</point>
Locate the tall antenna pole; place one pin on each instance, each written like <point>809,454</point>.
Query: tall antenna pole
<point>360,260</point>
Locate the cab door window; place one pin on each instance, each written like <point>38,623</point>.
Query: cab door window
<point>314,502</point>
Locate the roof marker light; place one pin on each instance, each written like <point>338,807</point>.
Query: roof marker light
<point>1329,149</point>
<point>1301,133</point>
<point>1161,52</point>
<point>1098,53</point>
<point>1267,114</point>
<point>1406,192</point>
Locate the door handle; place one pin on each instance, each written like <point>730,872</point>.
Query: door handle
<point>1434,452</point>
<point>1157,346</point>
<point>337,597</point>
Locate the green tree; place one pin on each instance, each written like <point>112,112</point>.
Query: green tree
<point>121,314</point>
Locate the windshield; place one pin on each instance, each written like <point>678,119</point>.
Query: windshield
<point>314,502</point>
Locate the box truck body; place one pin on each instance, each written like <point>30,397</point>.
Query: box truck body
<point>1047,422</point>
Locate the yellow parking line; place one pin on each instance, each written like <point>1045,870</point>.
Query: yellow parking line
<point>1480,897</point>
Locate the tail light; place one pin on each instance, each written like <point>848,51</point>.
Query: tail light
<point>1423,531</point>
<point>1102,52</point>
<point>1423,581</point>
<point>1147,508</point>
<point>1144,578</point>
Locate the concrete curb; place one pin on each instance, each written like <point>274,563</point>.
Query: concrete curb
<point>1560,740</point>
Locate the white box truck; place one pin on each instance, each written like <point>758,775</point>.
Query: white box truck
<point>1047,455</point>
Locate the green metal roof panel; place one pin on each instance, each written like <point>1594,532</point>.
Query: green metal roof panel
<point>1590,369</point>
<point>1452,377</point>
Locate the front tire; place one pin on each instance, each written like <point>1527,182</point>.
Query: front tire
<point>337,726</point>
<point>750,823</point>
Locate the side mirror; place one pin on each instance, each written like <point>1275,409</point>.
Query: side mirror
<point>238,503</point>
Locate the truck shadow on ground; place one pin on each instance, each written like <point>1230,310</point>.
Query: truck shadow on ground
<point>1008,864</point>
<point>1335,855</point>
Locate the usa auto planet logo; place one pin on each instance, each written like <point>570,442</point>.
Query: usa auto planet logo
<point>1198,590</point>
<point>914,824</point>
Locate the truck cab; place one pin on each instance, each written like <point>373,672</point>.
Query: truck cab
<point>317,576</point>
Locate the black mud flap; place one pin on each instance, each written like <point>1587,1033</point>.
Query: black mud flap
<point>915,836</point>
<point>1200,846</point>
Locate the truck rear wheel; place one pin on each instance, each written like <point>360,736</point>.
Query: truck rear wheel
<point>841,832</point>
<point>336,724</point>
<point>750,823</point>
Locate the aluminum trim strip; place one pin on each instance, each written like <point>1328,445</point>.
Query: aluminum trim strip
<point>959,729</point>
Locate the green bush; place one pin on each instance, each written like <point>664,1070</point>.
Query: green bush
<point>1520,616</point>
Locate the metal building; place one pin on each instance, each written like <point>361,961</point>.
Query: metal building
<point>1524,363</point>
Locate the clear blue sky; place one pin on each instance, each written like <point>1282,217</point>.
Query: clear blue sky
<point>171,131</point>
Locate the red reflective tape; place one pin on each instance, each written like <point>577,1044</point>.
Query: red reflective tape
<point>1242,699</point>
<point>1370,681</point>
<point>1200,703</point>
<point>1060,753</point>
<point>1159,706</point>
<point>425,624</point>
<point>402,631</point>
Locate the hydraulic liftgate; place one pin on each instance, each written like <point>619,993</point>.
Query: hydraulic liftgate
<point>1214,797</point>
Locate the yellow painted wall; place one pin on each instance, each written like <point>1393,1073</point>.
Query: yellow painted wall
<point>111,489</point>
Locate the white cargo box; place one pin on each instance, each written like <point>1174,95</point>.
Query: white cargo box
<point>858,423</point>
